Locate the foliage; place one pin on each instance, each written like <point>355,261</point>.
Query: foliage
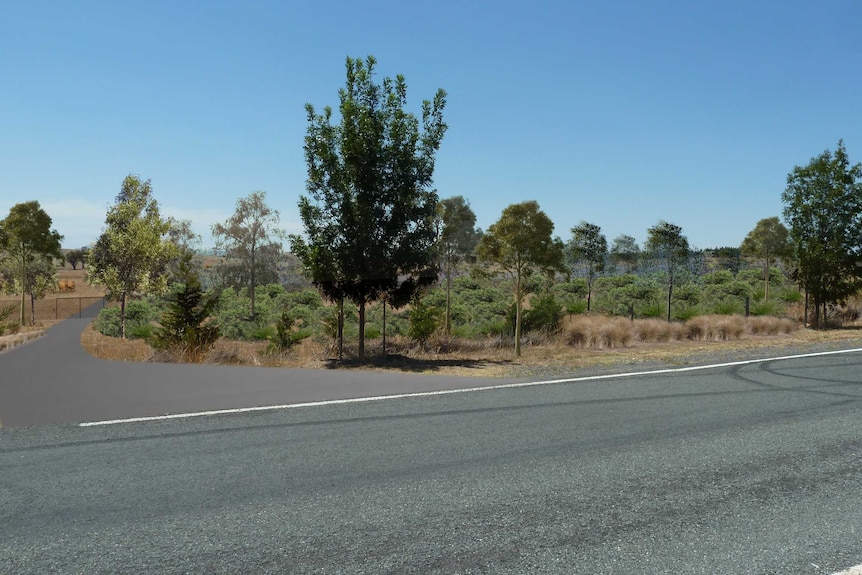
<point>768,242</point>
<point>520,245</point>
<point>25,238</point>
<point>370,210</point>
<point>186,326</point>
<point>625,251</point>
<point>424,321</point>
<point>588,248</point>
<point>456,240</point>
<point>666,242</point>
<point>75,257</point>
<point>823,208</point>
<point>138,313</point>
<point>131,256</point>
<point>39,277</point>
<point>250,241</point>
<point>544,315</point>
<point>285,335</point>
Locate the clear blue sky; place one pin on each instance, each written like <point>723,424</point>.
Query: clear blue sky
<point>618,113</point>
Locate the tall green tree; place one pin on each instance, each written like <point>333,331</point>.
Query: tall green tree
<point>250,241</point>
<point>370,209</point>
<point>823,209</point>
<point>769,241</point>
<point>625,250</point>
<point>41,276</point>
<point>26,237</point>
<point>669,245</point>
<point>588,247</point>
<point>519,245</point>
<point>130,257</point>
<point>456,240</point>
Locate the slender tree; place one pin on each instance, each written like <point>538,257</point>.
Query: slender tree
<point>669,245</point>
<point>768,242</point>
<point>823,209</point>
<point>130,257</point>
<point>26,237</point>
<point>588,248</point>
<point>519,245</point>
<point>370,209</point>
<point>251,243</point>
<point>456,239</point>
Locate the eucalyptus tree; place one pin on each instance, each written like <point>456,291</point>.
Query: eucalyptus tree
<point>768,241</point>
<point>670,246</point>
<point>131,256</point>
<point>370,210</point>
<point>588,247</point>
<point>456,240</point>
<point>519,245</point>
<point>26,238</point>
<point>823,209</point>
<point>250,241</point>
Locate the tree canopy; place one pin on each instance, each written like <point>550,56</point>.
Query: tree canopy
<point>131,255</point>
<point>667,243</point>
<point>768,242</point>
<point>26,237</point>
<point>823,209</point>
<point>588,247</point>
<point>250,241</point>
<point>456,240</point>
<point>370,209</point>
<point>519,245</point>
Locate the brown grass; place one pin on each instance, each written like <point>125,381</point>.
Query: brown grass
<point>12,341</point>
<point>603,342</point>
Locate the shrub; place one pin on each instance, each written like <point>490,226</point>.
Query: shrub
<point>186,327</point>
<point>544,315</point>
<point>423,321</point>
<point>138,313</point>
<point>766,308</point>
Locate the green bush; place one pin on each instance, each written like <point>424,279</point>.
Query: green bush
<point>424,321</point>
<point>138,313</point>
<point>544,315</point>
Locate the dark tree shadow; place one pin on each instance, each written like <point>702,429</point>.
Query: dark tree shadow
<point>400,362</point>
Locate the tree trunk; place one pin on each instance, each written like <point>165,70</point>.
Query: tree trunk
<point>340,335</point>
<point>23,288</point>
<point>123,316</point>
<point>766,288</point>
<point>362,330</point>
<point>669,295</point>
<point>589,290</point>
<point>32,309</point>
<point>805,320</point>
<point>252,282</point>
<point>518,317</point>
<point>448,300</point>
<point>384,329</point>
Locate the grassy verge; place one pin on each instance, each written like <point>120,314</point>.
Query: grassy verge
<point>585,342</point>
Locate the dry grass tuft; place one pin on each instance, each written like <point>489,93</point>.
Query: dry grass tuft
<point>596,332</point>
<point>113,347</point>
<point>653,329</point>
<point>766,325</point>
<point>17,338</point>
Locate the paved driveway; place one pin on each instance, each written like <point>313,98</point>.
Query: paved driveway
<point>53,380</point>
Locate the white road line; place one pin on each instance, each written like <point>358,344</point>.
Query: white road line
<point>857,570</point>
<point>464,390</point>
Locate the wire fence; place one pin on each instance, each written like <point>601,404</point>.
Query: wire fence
<point>58,308</point>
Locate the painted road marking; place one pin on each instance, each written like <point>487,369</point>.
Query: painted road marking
<point>465,390</point>
<point>857,570</point>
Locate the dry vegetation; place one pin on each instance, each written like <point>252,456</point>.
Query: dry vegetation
<point>585,341</point>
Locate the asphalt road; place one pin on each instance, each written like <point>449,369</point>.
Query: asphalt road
<point>750,469</point>
<point>53,380</point>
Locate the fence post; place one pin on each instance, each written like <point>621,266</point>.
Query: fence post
<point>747,306</point>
